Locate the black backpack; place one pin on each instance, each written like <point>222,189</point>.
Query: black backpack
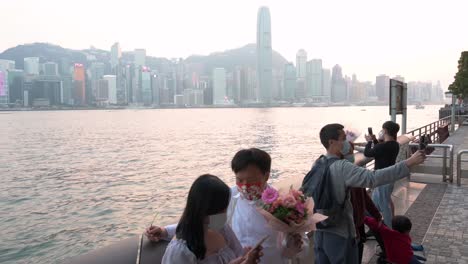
<point>318,185</point>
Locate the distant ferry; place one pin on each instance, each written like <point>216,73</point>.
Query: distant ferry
<point>419,106</point>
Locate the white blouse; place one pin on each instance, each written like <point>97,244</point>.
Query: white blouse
<point>249,226</point>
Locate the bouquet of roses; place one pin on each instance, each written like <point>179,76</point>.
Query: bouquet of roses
<point>352,134</point>
<point>289,212</point>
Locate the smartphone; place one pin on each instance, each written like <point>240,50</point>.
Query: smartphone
<point>369,130</point>
<point>260,242</point>
<point>422,143</point>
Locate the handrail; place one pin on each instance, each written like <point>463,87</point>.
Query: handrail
<point>459,161</point>
<point>444,158</point>
<point>431,129</point>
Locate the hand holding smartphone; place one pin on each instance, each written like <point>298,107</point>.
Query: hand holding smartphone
<point>260,242</point>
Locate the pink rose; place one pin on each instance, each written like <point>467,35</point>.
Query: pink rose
<point>269,195</point>
<point>289,201</point>
<point>300,207</point>
<point>297,194</point>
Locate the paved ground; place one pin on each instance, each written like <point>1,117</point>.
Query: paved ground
<point>446,240</point>
<point>440,212</point>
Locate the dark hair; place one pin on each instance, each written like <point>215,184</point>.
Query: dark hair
<point>252,156</point>
<point>401,223</point>
<point>208,196</point>
<point>329,132</point>
<point>392,128</point>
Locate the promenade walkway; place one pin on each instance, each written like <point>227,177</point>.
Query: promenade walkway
<point>438,210</point>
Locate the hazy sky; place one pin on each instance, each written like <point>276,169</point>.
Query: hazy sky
<point>420,40</point>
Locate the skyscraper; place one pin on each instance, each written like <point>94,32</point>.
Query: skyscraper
<point>338,86</point>
<point>219,86</point>
<point>112,88</point>
<point>7,65</point>
<point>146,89</point>
<point>51,69</point>
<point>15,86</point>
<point>140,57</point>
<point>289,85</point>
<point>79,80</point>
<point>31,65</point>
<point>116,53</point>
<point>326,82</point>
<point>4,96</point>
<point>314,78</point>
<point>264,55</point>
<point>382,86</point>
<point>301,64</point>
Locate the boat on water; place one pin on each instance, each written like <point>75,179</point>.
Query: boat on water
<point>419,106</point>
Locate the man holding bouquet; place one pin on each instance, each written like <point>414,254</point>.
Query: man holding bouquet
<point>336,242</point>
<point>252,171</point>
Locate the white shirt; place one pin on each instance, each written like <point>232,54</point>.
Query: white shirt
<point>250,227</point>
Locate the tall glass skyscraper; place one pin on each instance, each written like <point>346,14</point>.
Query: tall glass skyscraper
<point>264,55</point>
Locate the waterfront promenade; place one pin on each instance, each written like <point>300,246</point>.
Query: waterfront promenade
<point>438,210</point>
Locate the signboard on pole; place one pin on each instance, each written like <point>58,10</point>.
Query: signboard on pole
<point>397,97</point>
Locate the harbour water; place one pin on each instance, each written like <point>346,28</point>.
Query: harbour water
<point>73,181</point>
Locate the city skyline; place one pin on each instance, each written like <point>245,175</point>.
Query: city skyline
<point>356,35</point>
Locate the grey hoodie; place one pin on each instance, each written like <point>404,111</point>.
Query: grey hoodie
<point>345,175</point>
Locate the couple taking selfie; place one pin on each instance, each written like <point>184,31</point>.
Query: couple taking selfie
<point>222,225</point>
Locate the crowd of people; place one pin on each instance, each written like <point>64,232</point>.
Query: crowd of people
<point>222,225</point>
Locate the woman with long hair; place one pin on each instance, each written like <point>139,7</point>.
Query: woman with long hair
<point>202,235</point>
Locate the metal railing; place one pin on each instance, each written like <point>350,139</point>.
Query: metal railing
<point>430,129</point>
<point>433,169</point>
<point>461,173</point>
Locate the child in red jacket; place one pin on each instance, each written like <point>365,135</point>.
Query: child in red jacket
<point>397,241</point>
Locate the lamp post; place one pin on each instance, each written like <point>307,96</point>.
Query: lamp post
<point>452,119</point>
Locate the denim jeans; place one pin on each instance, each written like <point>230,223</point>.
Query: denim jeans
<point>382,196</point>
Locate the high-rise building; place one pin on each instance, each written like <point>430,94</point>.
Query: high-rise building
<point>301,64</point>
<point>67,90</point>
<point>140,57</point>
<point>112,88</point>
<point>46,91</point>
<point>219,86</point>
<point>338,86</point>
<point>326,82</point>
<point>399,78</point>
<point>4,95</point>
<point>79,81</point>
<point>7,65</point>
<point>51,69</point>
<point>264,55</point>
<point>382,87</point>
<point>102,92</point>
<point>157,82</point>
<point>31,65</point>
<point>290,82</point>
<point>146,89</point>
<point>314,78</point>
<point>115,55</point>
<point>15,86</point>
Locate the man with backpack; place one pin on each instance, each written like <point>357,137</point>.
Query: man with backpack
<point>329,183</point>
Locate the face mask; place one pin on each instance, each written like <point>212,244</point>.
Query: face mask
<point>251,191</point>
<point>346,148</point>
<point>217,221</point>
<point>381,135</point>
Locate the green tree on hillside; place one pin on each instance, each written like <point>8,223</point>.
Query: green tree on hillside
<point>459,87</point>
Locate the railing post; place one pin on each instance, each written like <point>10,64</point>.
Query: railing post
<point>451,163</point>
<point>444,166</point>
<point>459,168</point>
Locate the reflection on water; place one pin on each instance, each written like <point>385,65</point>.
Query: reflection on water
<point>73,181</point>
